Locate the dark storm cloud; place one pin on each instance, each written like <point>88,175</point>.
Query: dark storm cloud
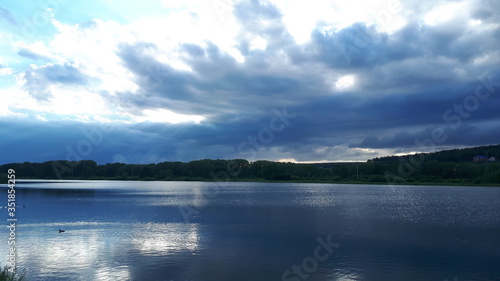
<point>432,138</point>
<point>143,142</point>
<point>218,85</point>
<point>406,82</point>
<point>39,78</point>
<point>36,141</point>
<point>154,76</point>
<point>397,118</point>
<point>347,48</point>
<point>360,48</point>
<point>193,50</point>
<point>69,140</point>
<point>265,20</point>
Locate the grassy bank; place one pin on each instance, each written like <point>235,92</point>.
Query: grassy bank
<point>6,275</point>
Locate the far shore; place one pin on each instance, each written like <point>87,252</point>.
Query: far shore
<point>263,181</point>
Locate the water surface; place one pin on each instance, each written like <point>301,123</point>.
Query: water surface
<point>255,231</point>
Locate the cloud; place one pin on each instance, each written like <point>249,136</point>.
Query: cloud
<point>31,55</point>
<point>36,51</point>
<point>428,140</point>
<point>359,87</point>
<point>7,16</point>
<point>193,50</point>
<point>4,70</point>
<point>39,79</point>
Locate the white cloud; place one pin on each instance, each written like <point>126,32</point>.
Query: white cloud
<point>302,17</point>
<point>236,54</point>
<point>310,14</point>
<point>11,99</point>
<point>5,71</point>
<point>93,49</point>
<point>288,160</point>
<point>474,22</point>
<point>167,116</point>
<point>320,150</point>
<point>344,82</point>
<point>446,12</point>
<point>67,101</point>
<point>40,117</point>
<point>258,43</point>
<point>180,4</point>
<point>37,48</point>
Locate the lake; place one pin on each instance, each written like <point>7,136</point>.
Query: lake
<point>117,230</point>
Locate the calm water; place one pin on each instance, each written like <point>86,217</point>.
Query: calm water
<point>255,231</point>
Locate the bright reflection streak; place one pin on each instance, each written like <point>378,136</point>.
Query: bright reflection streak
<point>70,253</point>
<point>199,199</point>
<point>341,276</point>
<point>156,239</point>
<point>113,273</point>
<point>317,195</point>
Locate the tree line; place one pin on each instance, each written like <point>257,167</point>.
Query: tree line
<point>450,166</point>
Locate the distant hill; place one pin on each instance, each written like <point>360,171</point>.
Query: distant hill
<point>452,155</point>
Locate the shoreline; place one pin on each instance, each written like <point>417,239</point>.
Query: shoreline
<point>32,181</point>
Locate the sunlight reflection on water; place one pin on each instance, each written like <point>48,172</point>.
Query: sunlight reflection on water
<point>154,239</point>
<point>89,247</point>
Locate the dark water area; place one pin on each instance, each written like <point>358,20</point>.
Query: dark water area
<point>254,231</point>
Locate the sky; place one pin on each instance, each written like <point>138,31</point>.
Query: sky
<point>280,80</point>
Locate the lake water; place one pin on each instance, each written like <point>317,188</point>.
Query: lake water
<point>254,231</point>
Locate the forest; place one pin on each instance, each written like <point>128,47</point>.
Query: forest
<point>444,167</point>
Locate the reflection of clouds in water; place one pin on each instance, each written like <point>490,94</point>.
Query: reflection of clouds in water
<point>69,253</point>
<point>85,250</point>
<point>113,273</point>
<point>199,200</point>
<point>155,239</point>
<point>55,225</point>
